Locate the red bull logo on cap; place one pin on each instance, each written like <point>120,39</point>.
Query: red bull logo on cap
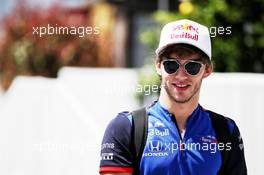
<point>186,27</point>
<point>186,31</point>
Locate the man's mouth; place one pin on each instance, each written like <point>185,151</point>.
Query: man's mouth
<point>181,87</point>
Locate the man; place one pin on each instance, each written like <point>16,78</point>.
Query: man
<point>181,139</point>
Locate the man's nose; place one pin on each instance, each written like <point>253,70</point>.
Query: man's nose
<point>181,74</point>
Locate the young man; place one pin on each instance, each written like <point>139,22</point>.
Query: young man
<point>181,139</point>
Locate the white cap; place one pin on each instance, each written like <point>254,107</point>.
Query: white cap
<point>185,32</point>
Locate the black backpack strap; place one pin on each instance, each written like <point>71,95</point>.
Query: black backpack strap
<point>223,135</point>
<point>140,129</point>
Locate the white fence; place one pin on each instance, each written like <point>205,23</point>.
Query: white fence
<point>55,126</point>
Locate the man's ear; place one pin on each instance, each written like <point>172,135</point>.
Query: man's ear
<point>158,66</point>
<point>208,70</point>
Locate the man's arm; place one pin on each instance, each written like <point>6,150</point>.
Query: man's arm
<point>116,155</point>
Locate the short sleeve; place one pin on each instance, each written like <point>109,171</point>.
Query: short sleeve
<point>116,155</point>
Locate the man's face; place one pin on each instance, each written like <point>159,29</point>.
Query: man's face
<point>180,86</point>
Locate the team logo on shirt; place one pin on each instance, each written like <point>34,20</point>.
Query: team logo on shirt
<point>158,129</point>
<point>155,146</point>
<point>158,124</point>
<point>107,146</point>
<point>155,149</point>
<point>107,156</point>
<point>241,145</point>
<point>208,139</point>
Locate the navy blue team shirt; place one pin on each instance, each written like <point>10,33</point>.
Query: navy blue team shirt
<point>166,152</point>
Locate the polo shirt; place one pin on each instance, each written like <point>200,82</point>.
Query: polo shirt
<point>166,152</point>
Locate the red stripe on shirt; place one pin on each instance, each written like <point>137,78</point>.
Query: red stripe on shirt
<point>112,169</point>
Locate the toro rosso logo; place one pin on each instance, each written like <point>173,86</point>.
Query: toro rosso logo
<point>186,27</point>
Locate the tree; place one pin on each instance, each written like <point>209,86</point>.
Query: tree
<point>236,28</point>
<point>24,51</point>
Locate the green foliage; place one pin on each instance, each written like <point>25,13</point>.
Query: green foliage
<point>237,50</point>
<point>150,37</point>
<point>147,80</point>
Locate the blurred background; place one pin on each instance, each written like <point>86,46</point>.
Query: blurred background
<point>59,90</point>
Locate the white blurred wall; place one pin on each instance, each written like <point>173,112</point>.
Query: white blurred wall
<point>55,126</point>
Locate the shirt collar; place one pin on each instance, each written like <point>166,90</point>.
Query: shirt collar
<point>164,113</point>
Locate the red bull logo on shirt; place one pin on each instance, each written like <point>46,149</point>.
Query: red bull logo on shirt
<point>188,32</point>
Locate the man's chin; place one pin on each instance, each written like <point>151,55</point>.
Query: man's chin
<point>182,101</point>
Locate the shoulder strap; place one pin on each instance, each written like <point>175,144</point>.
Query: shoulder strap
<point>223,135</point>
<point>140,128</point>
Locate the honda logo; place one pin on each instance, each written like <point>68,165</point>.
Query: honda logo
<point>155,146</point>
